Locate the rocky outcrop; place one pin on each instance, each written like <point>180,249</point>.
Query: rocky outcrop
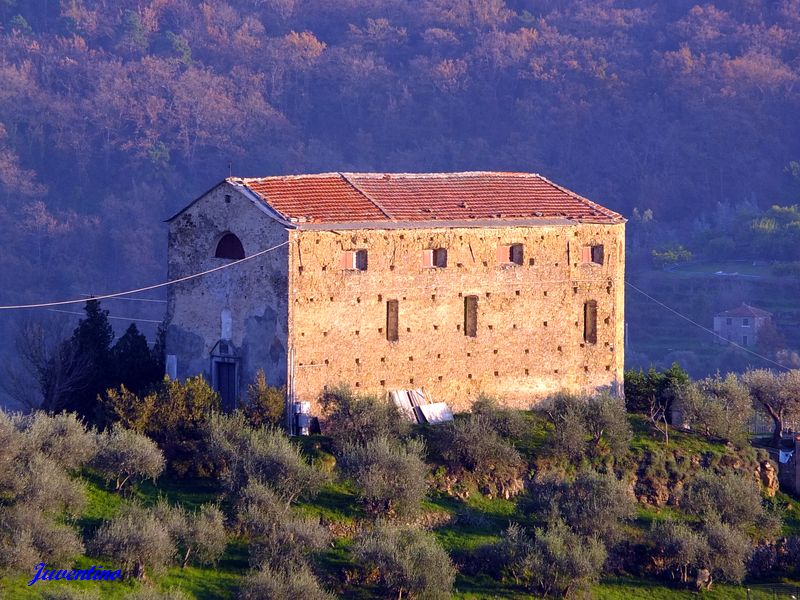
<point>767,475</point>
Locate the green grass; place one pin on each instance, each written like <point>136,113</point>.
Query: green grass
<point>472,522</point>
<point>645,437</point>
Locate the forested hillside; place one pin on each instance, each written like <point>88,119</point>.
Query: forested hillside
<point>114,114</point>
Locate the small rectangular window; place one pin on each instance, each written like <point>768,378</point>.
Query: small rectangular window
<point>593,254</point>
<point>510,254</point>
<point>392,320</point>
<point>728,321</point>
<point>354,260</point>
<point>437,257</point>
<point>745,322</point>
<point>590,322</point>
<point>471,316</point>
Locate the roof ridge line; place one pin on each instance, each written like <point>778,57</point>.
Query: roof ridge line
<point>594,205</point>
<point>377,204</point>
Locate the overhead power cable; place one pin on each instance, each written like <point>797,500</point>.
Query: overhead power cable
<point>90,296</point>
<point>704,328</point>
<point>146,288</point>
<point>80,314</point>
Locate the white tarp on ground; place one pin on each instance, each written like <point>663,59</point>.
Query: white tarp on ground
<point>436,413</point>
<point>401,400</point>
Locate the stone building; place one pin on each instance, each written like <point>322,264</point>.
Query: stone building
<point>457,283</point>
<point>741,324</point>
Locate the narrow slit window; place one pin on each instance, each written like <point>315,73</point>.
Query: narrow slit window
<point>516,254</point>
<point>590,322</point>
<point>471,316</point>
<point>392,320</point>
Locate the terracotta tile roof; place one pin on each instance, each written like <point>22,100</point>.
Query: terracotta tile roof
<point>391,197</point>
<point>745,310</point>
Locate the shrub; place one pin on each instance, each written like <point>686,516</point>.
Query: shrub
<point>593,505</point>
<point>390,475</point>
<point>135,539</point>
<point>200,537</point>
<point>507,422</point>
<point>595,424</point>
<point>265,405</point>
<point>607,424</point>
<point>269,584</point>
<point>262,455</point>
<point>62,438</point>
<point>560,561</point>
<point>472,449</point>
<point>45,486</point>
<point>28,537</point>
<point>174,415</point>
<point>653,391</point>
<point>736,499</point>
<point>124,454</point>
<point>678,548</point>
<point>718,407</point>
<point>407,562</point>
<point>277,537</point>
<point>729,551</point>
<point>352,419</point>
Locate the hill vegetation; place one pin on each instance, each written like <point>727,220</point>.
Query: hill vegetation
<point>574,497</point>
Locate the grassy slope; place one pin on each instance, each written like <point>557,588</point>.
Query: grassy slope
<point>473,522</point>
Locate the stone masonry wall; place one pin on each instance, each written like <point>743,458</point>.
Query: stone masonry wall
<point>255,292</point>
<point>530,317</point>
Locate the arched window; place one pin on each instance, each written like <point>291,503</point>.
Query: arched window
<point>229,247</point>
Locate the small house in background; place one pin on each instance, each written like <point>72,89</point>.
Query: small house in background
<point>741,325</point>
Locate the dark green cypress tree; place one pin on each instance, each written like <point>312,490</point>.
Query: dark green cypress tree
<point>90,344</point>
<point>135,366</point>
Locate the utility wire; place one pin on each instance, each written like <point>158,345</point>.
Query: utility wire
<point>704,328</point>
<point>80,314</point>
<point>90,296</point>
<point>146,288</point>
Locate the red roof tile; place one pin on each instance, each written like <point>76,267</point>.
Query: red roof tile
<point>357,197</point>
<point>745,310</point>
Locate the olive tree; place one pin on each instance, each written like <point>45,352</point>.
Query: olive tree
<point>263,455</point>
<point>776,395</point>
<point>354,419</point>
<point>678,548</point>
<point>556,560</point>
<point>28,536</point>
<point>735,499</point>
<point>389,474</point>
<point>587,424</point>
<point>199,537</point>
<point>718,407</point>
<point>294,582</point>
<point>471,448</point>
<point>408,562</point>
<point>277,536</point>
<point>593,504</point>
<point>62,438</point>
<point>135,539</point>
<point>124,454</point>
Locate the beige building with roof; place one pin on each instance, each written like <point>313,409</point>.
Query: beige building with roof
<point>457,283</point>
